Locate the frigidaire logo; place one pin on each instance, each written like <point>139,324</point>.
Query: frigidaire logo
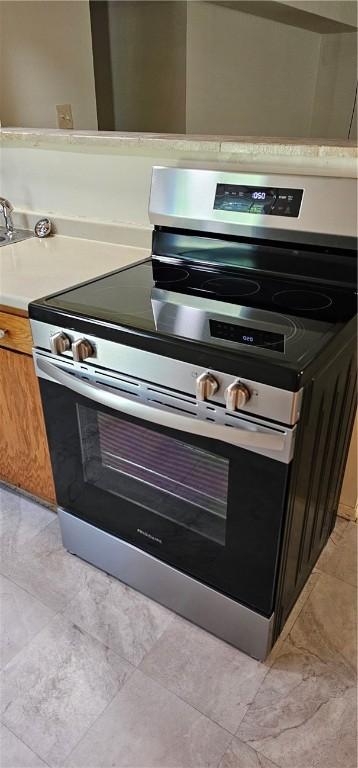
<point>149,536</point>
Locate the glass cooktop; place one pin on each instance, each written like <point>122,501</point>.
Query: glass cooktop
<point>275,318</point>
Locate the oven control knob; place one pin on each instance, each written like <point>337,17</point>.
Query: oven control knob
<point>59,343</point>
<point>81,349</point>
<point>237,395</point>
<point>206,386</point>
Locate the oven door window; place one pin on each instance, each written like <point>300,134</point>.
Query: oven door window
<point>169,477</point>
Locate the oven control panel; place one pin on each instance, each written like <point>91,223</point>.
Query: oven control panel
<point>81,349</point>
<point>195,383</point>
<point>252,337</point>
<point>236,394</point>
<point>272,201</point>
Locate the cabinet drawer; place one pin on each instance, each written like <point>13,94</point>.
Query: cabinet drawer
<point>15,332</point>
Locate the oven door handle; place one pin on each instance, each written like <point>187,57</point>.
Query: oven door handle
<point>264,439</point>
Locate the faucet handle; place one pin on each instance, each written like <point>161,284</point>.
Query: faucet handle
<point>5,210</point>
<point>4,203</point>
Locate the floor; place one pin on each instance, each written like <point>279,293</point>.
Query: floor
<point>96,675</point>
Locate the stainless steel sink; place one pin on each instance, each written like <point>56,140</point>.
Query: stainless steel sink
<point>16,237</point>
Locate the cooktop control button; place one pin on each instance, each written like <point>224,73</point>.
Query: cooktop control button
<point>59,343</point>
<point>236,395</point>
<point>206,386</point>
<point>81,350</point>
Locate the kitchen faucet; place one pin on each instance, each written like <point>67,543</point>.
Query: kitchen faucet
<point>6,208</point>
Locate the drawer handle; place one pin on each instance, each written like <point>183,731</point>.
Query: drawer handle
<point>2,333</point>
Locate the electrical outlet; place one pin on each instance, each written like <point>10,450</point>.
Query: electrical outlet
<point>64,116</point>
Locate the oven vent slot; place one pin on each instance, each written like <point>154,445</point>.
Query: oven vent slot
<point>117,378</point>
<point>171,394</point>
<point>173,406</point>
<point>118,389</point>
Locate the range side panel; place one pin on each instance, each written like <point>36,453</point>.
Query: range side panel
<point>322,445</point>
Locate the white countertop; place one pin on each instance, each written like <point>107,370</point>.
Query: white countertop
<point>186,143</point>
<point>35,268</point>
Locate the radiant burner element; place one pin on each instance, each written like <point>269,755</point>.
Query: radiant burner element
<point>232,286</point>
<point>172,275</point>
<point>302,300</point>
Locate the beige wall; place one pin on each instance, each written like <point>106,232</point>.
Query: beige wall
<point>244,74</point>
<point>248,75</point>
<point>46,59</point>
<point>343,11</point>
<point>147,49</point>
<point>335,86</point>
<point>354,132</point>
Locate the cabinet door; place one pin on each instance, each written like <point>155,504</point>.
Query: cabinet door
<point>24,455</point>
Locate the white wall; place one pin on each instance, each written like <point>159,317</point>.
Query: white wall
<point>247,75</point>
<point>46,59</point>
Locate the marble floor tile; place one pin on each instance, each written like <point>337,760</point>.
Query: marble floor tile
<point>339,558</point>
<point>327,625</point>
<point>240,755</point>
<point>15,754</point>
<point>120,617</point>
<point>303,715</point>
<point>45,569</point>
<point>21,617</point>
<point>20,520</point>
<point>209,674</point>
<point>349,513</point>
<point>147,726</point>
<point>56,687</point>
<point>339,527</point>
<point>297,608</point>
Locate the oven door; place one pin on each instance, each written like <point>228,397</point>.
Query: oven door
<point>208,498</point>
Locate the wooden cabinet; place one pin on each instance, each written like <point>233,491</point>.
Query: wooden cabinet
<point>24,454</point>
<point>15,332</point>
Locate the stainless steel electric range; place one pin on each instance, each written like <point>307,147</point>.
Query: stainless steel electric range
<point>199,405</point>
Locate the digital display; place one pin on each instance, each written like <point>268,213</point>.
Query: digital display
<point>252,337</point>
<point>271,201</point>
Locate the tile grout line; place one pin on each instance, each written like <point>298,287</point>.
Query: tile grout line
<point>131,673</point>
<point>337,578</point>
<point>284,640</point>
<point>101,641</point>
<point>167,690</point>
<point>224,753</point>
<point>2,669</point>
<point>74,594</point>
<point>257,751</point>
<point>184,701</point>
<point>24,743</point>
<point>302,606</point>
<point>20,586</point>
